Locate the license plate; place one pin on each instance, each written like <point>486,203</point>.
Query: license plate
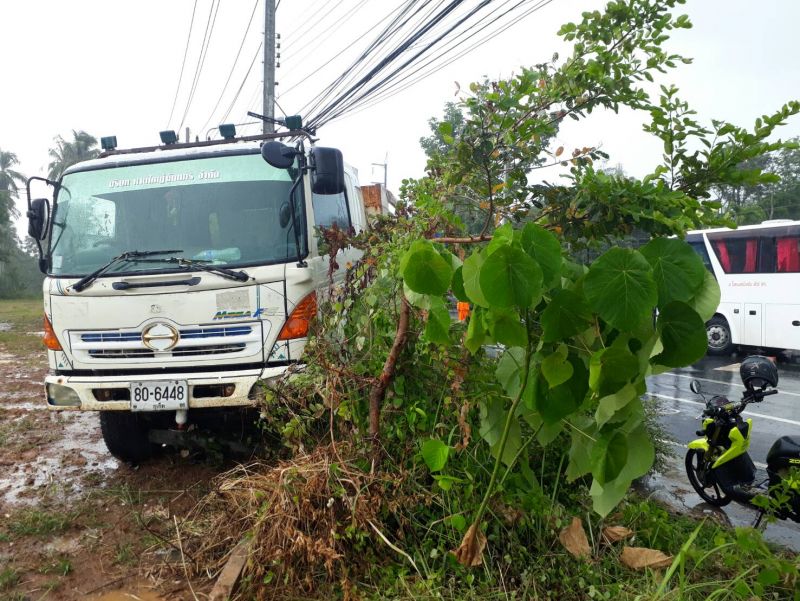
<point>166,395</point>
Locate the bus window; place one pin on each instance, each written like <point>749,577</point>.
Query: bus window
<point>737,255</point>
<point>700,248</point>
<point>766,255</point>
<point>788,255</point>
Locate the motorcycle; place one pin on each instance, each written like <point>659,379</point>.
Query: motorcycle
<point>718,464</point>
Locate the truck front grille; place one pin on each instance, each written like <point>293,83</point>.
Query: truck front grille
<point>195,342</point>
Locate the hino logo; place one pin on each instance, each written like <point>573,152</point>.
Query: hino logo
<point>160,337</point>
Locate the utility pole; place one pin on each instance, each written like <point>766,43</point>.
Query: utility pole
<point>269,65</point>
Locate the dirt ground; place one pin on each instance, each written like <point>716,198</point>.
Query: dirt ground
<point>77,524</point>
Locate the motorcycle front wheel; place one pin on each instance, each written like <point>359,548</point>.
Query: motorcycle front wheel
<point>705,484</point>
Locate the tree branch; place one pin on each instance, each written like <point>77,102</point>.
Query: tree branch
<point>378,391</point>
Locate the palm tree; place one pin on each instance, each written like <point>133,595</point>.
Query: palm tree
<point>65,154</point>
<point>8,176</point>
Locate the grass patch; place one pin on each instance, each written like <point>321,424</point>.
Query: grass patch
<point>38,522</point>
<point>24,316</point>
<point>59,565</point>
<point>9,577</point>
<point>125,554</point>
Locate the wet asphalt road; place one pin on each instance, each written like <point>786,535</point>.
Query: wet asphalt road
<point>776,416</point>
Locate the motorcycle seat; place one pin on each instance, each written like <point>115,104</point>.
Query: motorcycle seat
<point>785,446</point>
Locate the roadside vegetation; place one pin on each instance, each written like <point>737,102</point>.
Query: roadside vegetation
<point>492,456</point>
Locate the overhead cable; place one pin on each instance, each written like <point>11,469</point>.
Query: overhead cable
<point>183,64</point>
<point>233,66</point>
<point>201,59</point>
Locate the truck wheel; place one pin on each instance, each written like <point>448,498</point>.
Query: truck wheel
<point>719,336</point>
<point>126,436</point>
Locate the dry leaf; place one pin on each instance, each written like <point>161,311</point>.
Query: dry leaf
<point>470,551</point>
<point>574,539</point>
<point>614,534</point>
<point>559,150</point>
<point>639,558</point>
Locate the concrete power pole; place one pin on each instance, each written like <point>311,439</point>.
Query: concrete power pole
<point>269,65</point>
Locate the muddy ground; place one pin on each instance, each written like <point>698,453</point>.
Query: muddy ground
<point>77,524</point>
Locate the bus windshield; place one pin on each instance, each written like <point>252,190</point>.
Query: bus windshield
<point>226,210</point>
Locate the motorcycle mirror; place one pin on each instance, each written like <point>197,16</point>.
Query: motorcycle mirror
<point>694,386</point>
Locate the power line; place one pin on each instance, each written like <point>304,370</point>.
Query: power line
<point>201,59</point>
<point>183,64</point>
<point>337,106</point>
<point>409,82</point>
<point>246,75</point>
<point>233,66</point>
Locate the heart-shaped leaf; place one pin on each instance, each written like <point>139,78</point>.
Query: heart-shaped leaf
<point>620,287</point>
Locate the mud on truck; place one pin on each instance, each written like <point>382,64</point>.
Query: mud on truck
<point>181,277</point>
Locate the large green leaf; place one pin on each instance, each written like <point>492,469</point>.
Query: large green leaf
<point>457,285</point>
<point>677,269</point>
<point>545,248</point>
<point>471,270</point>
<point>509,277</point>
<point>583,431</point>
<point>610,367</point>
<point>434,453</point>
<point>425,270</point>
<point>509,370</point>
<point>502,236</point>
<point>606,496</point>
<point>555,367</point>
<point>493,419</point>
<point>706,301</point>
<point>437,330</point>
<point>476,330</point>
<point>620,287</point>
<point>612,403</point>
<point>506,328</point>
<point>609,456</point>
<point>683,334</point>
<point>565,315</point>
<point>554,404</point>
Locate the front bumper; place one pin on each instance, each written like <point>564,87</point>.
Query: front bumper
<point>86,387</point>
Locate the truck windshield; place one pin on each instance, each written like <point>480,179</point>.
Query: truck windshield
<point>226,210</point>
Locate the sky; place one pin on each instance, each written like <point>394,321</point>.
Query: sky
<point>113,68</point>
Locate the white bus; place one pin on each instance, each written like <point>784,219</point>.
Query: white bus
<point>758,270</point>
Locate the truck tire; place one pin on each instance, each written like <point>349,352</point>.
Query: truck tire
<point>719,336</point>
<point>126,436</point>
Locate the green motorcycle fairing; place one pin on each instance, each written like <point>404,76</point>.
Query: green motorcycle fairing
<point>701,444</point>
<point>739,443</point>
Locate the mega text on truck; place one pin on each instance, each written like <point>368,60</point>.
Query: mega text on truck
<point>179,277</point>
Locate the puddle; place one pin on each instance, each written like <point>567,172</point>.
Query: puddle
<point>5,327</point>
<point>79,451</point>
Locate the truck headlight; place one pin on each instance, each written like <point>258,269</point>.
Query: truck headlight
<point>62,396</point>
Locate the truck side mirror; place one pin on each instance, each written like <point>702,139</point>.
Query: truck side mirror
<point>278,155</point>
<point>38,214</point>
<point>328,176</point>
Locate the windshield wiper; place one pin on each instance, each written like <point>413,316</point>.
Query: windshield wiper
<point>130,255</point>
<point>239,276</point>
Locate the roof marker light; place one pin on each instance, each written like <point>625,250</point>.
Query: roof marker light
<point>227,131</point>
<point>108,143</point>
<point>168,137</point>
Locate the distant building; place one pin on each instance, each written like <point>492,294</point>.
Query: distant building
<point>378,200</point>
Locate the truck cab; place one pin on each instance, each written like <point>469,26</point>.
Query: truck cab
<point>181,276</point>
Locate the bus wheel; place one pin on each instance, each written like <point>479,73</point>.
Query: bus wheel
<point>126,436</point>
<point>719,336</point>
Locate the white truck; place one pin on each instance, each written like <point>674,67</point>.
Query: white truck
<point>179,277</point>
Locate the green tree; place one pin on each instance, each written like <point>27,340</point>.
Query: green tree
<point>9,177</point>
<point>66,153</point>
